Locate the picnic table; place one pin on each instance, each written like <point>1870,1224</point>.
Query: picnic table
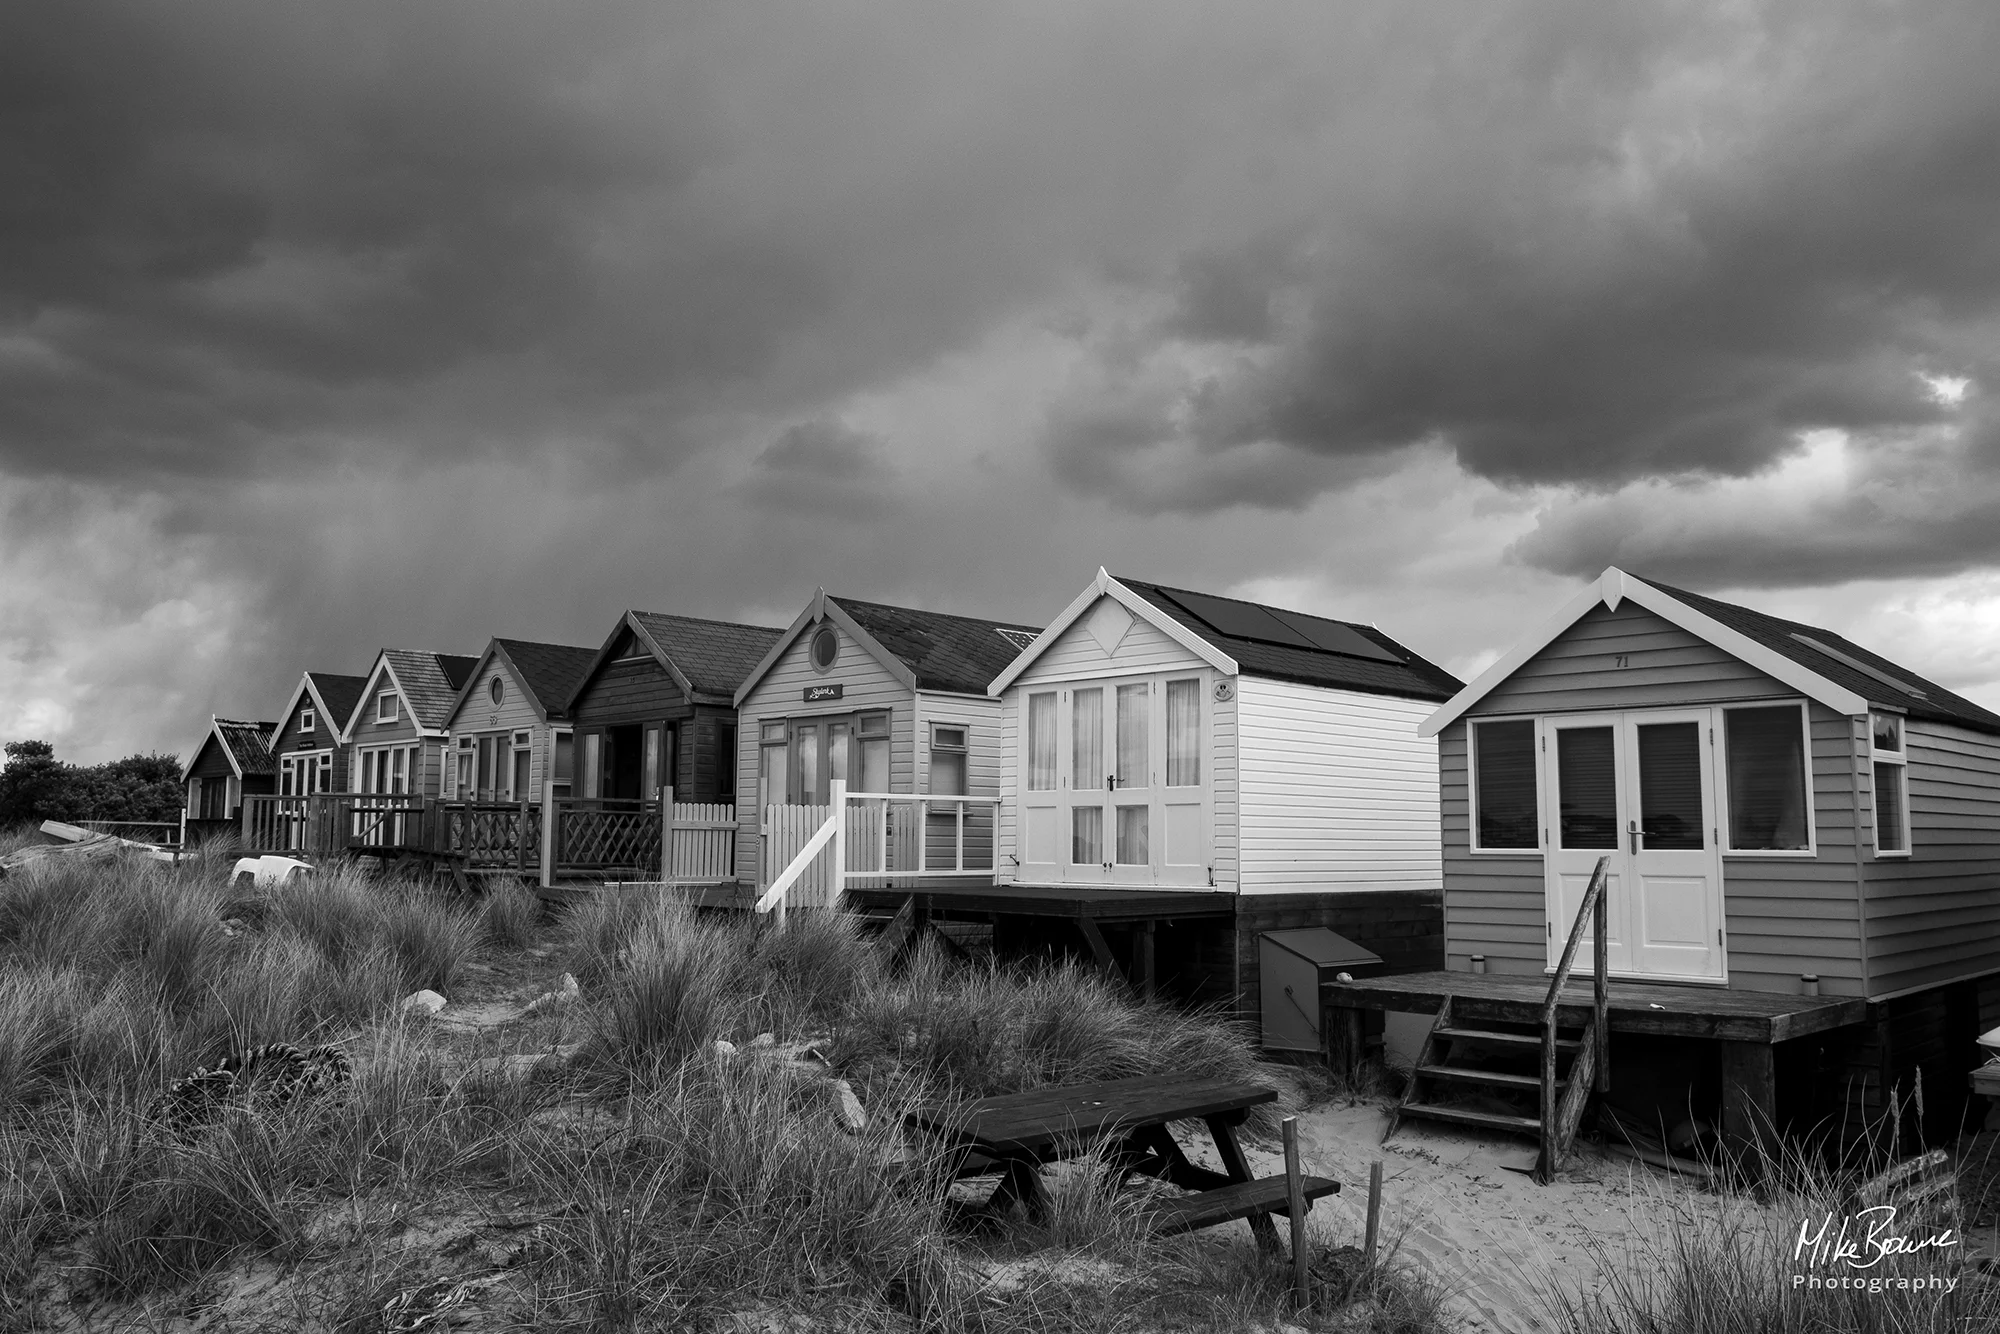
<point>1016,1134</point>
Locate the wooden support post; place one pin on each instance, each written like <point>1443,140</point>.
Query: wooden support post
<point>548,834</point>
<point>836,882</point>
<point>521,838</point>
<point>1351,1039</point>
<point>1374,1216</point>
<point>1600,986</point>
<point>1106,963</point>
<point>1749,1100</point>
<point>667,834</point>
<point>1147,970</point>
<point>1295,1198</point>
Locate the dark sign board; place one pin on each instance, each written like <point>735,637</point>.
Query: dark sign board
<point>822,692</point>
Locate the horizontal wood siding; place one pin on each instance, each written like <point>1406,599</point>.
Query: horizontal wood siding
<point>637,690</point>
<point>1492,902</point>
<point>1337,790</point>
<point>1934,916</point>
<point>865,683</point>
<point>288,739</point>
<point>1786,916</point>
<point>211,761</point>
<point>980,717</point>
<point>1665,667</point>
<point>1077,653</point>
<point>1783,917</point>
<point>480,716</point>
<point>1225,720</point>
<point>424,779</point>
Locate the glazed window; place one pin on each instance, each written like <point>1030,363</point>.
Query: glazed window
<point>496,691</point>
<point>1766,758</point>
<point>1183,733</point>
<point>825,648</point>
<point>772,763</point>
<point>1892,785</point>
<point>385,707</point>
<point>872,734</point>
<point>1504,796</point>
<point>306,720</point>
<point>725,754</point>
<point>948,760</point>
<point>1042,742</point>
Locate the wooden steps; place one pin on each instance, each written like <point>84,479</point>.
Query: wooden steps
<point>1506,1039</point>
<point>1499,1078</point>
<point>1468,1116</point>
<point>1268,1195</point>
<point>1557,1094</point>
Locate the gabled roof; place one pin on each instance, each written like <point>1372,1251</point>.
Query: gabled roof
<point>428,683</point>
<point>545,673</point>
<point>925,650</point>
<point>707,659</point>
<point>333,695</point>
<point>1255,639</point>
<point>1816,662</point>
<point>246,745</point>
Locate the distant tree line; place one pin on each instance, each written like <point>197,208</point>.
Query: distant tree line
<point>36,786</point>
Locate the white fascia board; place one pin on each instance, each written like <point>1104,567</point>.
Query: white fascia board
<point>472,681</point>
<point>305,681</point>
<point>368,692</point>
<point>1613,587</point>
<point>1105,586</point>
<point>777,651</point>
<point>660,653</point>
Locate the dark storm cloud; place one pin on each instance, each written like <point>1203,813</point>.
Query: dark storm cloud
<point>1599,248</point>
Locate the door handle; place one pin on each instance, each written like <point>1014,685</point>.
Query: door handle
<point>1634,826</point>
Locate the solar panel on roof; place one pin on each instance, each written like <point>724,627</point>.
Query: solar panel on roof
<point>1334,637</point>
<point>1241,620</point>
<point>1271,625</point>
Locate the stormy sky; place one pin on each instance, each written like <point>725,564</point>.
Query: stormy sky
<point>324,328</point>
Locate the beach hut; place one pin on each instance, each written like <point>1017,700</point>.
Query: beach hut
<point>1800,834</point>
<point>310,744</point>
<point>233,759</point>
<point>883,698</point>
<point>508,732</point>
<point>395,732</point>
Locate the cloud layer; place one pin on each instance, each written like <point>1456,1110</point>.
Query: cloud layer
<point>420,324</point>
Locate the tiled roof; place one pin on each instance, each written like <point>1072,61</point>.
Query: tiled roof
<point>714,656</point>
<point>1848,664</point>
<point>549,672</point>
<point>430,680</point>
<point>1396,671</point>
<point>249,743</point>
<point>946,652</point>
<point>339,694</point>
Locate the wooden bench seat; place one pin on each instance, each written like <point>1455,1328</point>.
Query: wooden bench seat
<point>1245,1199</point>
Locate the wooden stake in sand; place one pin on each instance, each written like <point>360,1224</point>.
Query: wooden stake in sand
<point>1295,1194</point>
<point>1374,1214</point>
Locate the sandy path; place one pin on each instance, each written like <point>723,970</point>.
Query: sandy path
<point>1491,1233</point>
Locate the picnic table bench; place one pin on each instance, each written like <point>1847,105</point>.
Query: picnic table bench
<point>1015,1134</point>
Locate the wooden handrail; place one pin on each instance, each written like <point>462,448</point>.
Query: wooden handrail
<point>1589,1063</point>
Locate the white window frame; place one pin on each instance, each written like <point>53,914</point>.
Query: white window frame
<point>307,720</point>
<point>1900,759</point>
<point>387,708</point>
<point>1719,742</point>
<point>1472,787</point>
<point>963,747</point>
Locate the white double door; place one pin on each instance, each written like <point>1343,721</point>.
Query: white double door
<point>1115,787</point>
<point>1639,787</point>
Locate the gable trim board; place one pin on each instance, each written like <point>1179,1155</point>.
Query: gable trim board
<point>369,693</point>
<point>1104,586</point>
<point>824,608</point>
<point>1613,587</point>
<point>337,728</point>
<point>496,648</point>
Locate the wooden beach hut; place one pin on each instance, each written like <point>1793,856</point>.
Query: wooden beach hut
<point>233,760</point>
<point>508,731</point>
<point>1801,836</point>
<point>396,730</point>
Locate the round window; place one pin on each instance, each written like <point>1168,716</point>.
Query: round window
<point>496,690</point>
<point>825,647</point>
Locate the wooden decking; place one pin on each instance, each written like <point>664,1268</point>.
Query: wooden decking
<point>1716,1013</point>
<point>944,897</point>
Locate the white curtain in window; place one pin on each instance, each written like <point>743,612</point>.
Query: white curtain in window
<point>1042,742</point>
<point>1183,733</point>
<point>1087,740</point>
<point>1132,720</point>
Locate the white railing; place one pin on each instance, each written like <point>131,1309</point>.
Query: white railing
<point>875,838</point>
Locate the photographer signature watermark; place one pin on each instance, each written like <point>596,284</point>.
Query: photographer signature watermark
<point>1846,1258</point>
